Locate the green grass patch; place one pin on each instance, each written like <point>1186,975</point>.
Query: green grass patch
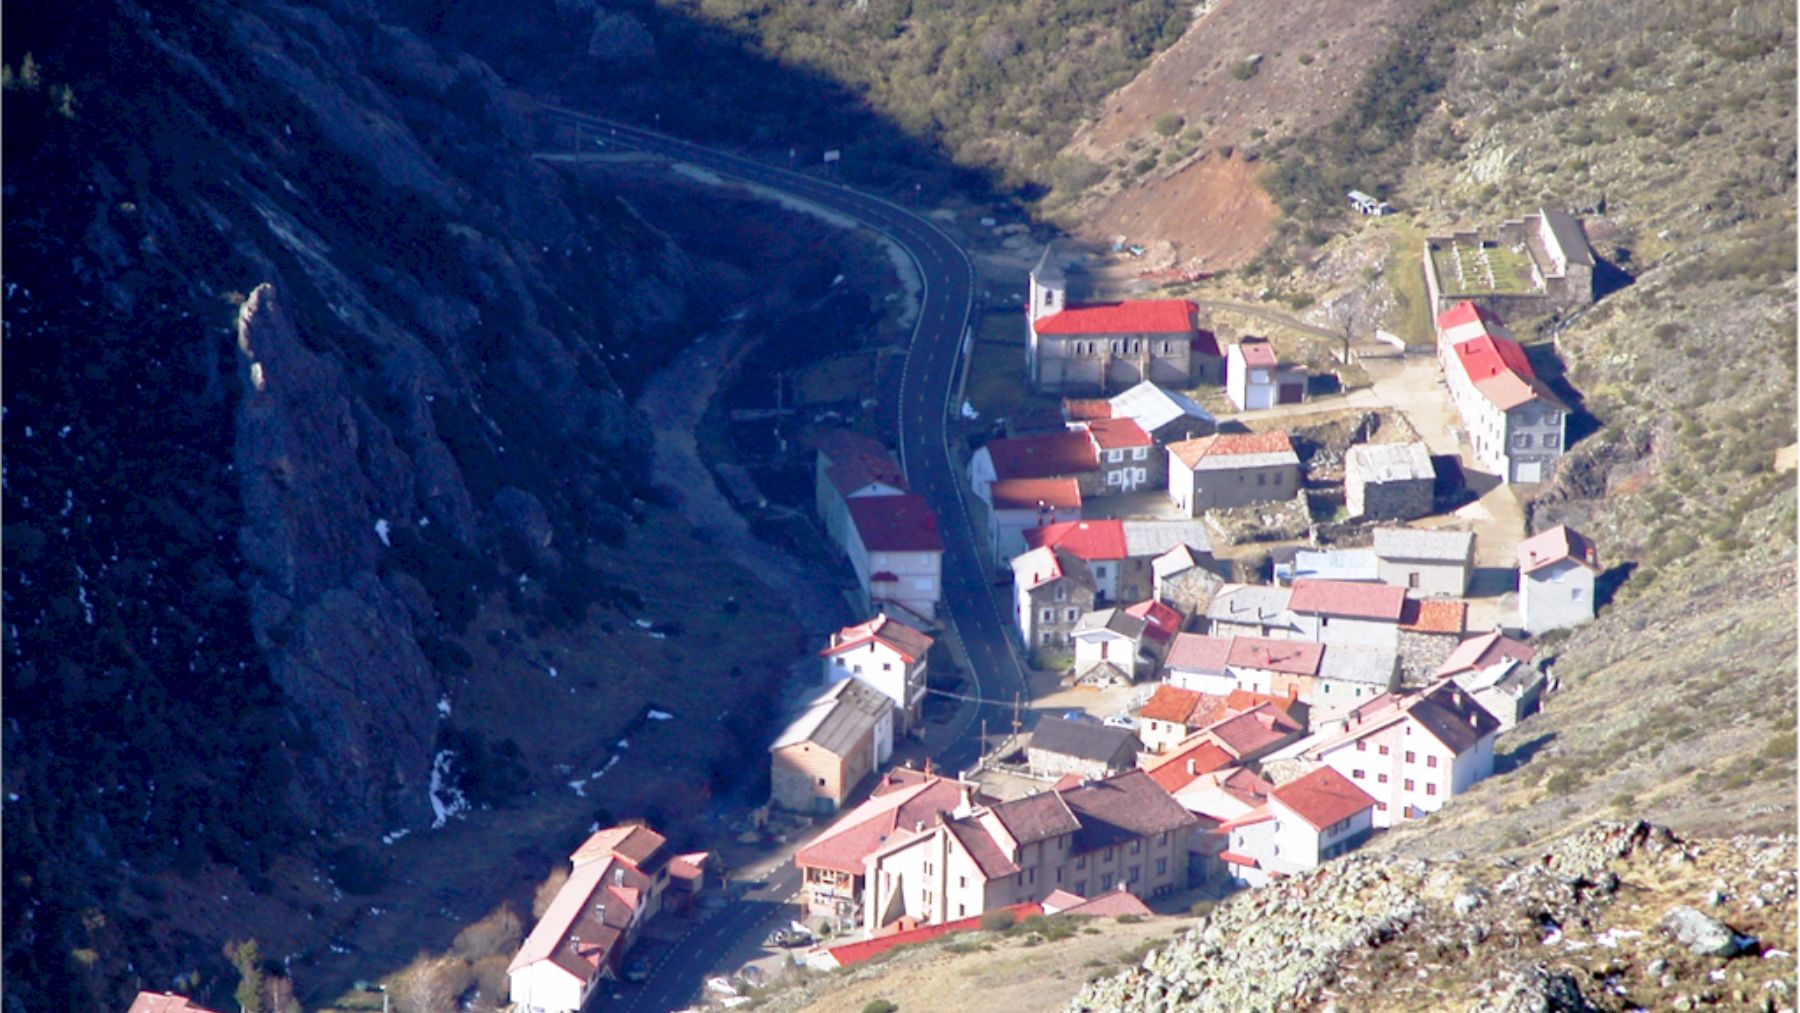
<point>996,385</point>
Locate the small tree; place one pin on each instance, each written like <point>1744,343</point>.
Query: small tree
<point>1168,124</point>
<point>247,958</point>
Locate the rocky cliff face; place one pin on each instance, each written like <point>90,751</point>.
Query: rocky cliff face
<point>1618,916</point>
<point>310,368</point>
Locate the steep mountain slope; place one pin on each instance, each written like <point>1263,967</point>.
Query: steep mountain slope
<point>326,507</point>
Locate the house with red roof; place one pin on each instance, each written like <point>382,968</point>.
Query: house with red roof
<point>1016,505</point>
<point>1515,425</point>
<point>1348,612</point>
<point>1430,631</point>
<point>1481,652</point>
<point>1129,459</point>
<point>898,555</point>
<point>1102,548</point>
<point>831,865</point>
<point>1101,347</point>
<point>1412,750</point>
<point>618,881</point>
<point>1305,822</point>
<point>1087,837</point>
<point>1231,470</point>
<point>1065,454</point>
<point>1161,624</point>
<point>1255,378</point>
<point>850,465</point>
<point>1557,568</point>
<point>887,655</point>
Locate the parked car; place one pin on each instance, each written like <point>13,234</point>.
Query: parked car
<point>1121,721</point>
<point>787,938</point>
<point>637,968</point>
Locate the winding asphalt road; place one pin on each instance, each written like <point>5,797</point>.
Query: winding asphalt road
<point>927,383</point>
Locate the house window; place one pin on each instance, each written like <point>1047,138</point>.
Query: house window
<point>1131,874</point>
<point>962,910</point>
<point>1081,887</point>
<point>1412,579</point>
<point>1074,614</point>
<point>1080,863</point>
<point>1140,453</point>
<point>1431,761</point>
<point>1356,774</point>
<point>1049,615</point>
<point>1044,637</point>
<point>856,669</point>
<point>1384,750</point>
<point>1551,441</point>
<point>1115,456</point>
<point>1380,778</point>
<point>1059,874</point>
<point>1262,479</point>
<point>821,782</point>
<point>1362,746</point>
<point>1552,418</point>
<point>1137,846</point>
<point>1278,479</point>
<point>1521,441</point>
<point>1115,477</point>
<point>1381,807</point>
<point>1162,866</point>
<point>962,881</point>
<point>1162,838</point>
<point>1408,785</point>
<point>887,666</point>
<point>1106,882</point>
<point>927,868</point>
<point>1430,788</point>
<point>1411,757</point>
<point>1575,594</point>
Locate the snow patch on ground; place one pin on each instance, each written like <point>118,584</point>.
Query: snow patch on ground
<point>447,800</point>
<point>396,835</point>
<point>443,707</point>
<point>382,529</point>
<point>660,716</point>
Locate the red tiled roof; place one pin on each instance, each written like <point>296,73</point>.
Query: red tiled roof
<point>1466,312</point>
<point>909,643</point>
<point>164,1002</point>
<point>1254,730</point>
<point>1060,898</point>
<point>1044,455</point>
<point>895,524</point>
<point>1118,434</point>
<point>1492,355</point>
<point>1257,352</point>
<point>856,953</point>
<point>1350,599</point>
<point>1234,858</point>
<point>1085,540</point>
<point>1082,409</point>
<point>989,860</point>
<point>856,461</point>
<point>1294,657</point>
<point>1555,545</point>
<point>859,832</point>
<point>1170,703</point>
<point>584,924</point>
<point>1194,757</point>
<point>1323,797</point>
<point>1192,452</point>
<point>1247,785</point>
<point>1435,616</point>
<point>1161,622</point>
<point>633,842</point>
<point>1145,316</point>
<point>691,865</point>
<point>1036,567</point>
<point>1027,493</point>
<point>1037,817</point>
<point>1200,653</point>
<point>1112,904</point>
<point>1483,651</point>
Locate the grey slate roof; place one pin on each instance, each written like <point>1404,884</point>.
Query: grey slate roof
<point>1153,407</point>
<point>1153,538</point>
<point>1082,739</point>
<point>1368,666</point>
<point>1114,619</point>
<point>1389,462</point>
<point>835,717</point>
<point>1570,236</point>
<point>1413,543</point>
<point>1249,603</point>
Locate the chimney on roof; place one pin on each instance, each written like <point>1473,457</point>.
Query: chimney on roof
<point>618,877</point>
<point>918,825</point>
<point>1191,771</point>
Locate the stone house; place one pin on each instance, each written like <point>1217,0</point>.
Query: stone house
<point>1086,749</point>
<point>1510,690</point>
<point>1426,563</point>
<point>1232,470</point>
<point>1556,579</point>
<point>1101,546</point>
<point>1429,634</point>
<point>1388,481</point>
<point>1129,460</point>
<point>1112,637</point>
<point>839,735</point>
<point>1254,610</point>
<point>1185,579</point>
<point>1051,591</point>
<point>1101,347</point>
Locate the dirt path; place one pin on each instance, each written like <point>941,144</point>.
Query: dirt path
<point>675,400</point>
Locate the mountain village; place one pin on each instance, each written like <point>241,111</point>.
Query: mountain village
<point>1259,724</point>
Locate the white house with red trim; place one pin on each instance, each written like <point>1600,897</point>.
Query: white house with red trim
<point>889,657</point>
<point>1306,821</point>
<point>1255,378</point>
<point>619,880</point>
<point>849,466</point>
<point>1556,579</point>
<point>1412,750</point>
<point>1515,425</point>
<point>898,556</point>
<point>1111,346</point>
<point>1016,505</point>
